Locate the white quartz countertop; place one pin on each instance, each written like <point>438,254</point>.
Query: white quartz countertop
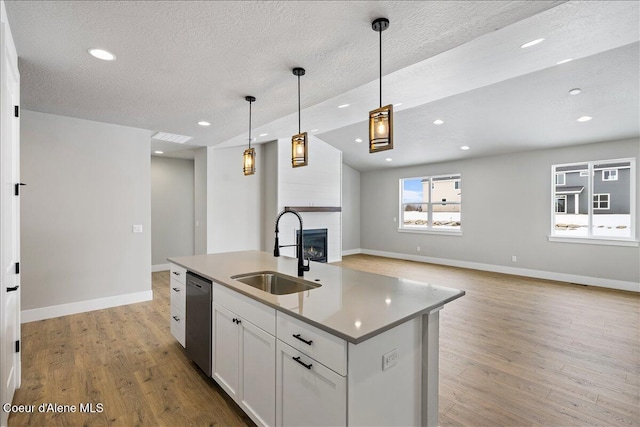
<point>353,305</point>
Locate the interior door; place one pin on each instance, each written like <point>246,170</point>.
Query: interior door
<point>9,223</point>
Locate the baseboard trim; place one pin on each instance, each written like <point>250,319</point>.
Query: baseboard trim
<point>351,252</point>
<point>84,306</point>
<point>160,267</point>
<point>538,274</point>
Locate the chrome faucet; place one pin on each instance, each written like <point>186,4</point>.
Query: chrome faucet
<point>299,246</point>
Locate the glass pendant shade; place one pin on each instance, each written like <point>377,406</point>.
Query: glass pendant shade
<point>299,150</point>
<point>249,161</point>
<point>381,129</point>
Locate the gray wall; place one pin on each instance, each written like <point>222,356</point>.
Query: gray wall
<point>88,184</point>
<point>506,205</point>
<point>172,208</point>
<point>350,208</point>
<point>200,188</point>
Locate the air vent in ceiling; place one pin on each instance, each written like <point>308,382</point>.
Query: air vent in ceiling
<point>171,137</point>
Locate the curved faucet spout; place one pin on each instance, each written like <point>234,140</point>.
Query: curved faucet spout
<point>299,245</point>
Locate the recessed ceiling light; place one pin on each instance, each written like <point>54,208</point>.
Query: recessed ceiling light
<point>465,147</point>
<point>575,91</point>
<point>584,118</point>
<point>358,139</point>
<point>343,105</point>
<point>264,134</point>
<point>564,61</point>
<point>314,130</point>
<point>204,123</point>
<point>532,43</point>
<point>388,159</point>
<point>102,54</point>
<point>158,152</point>
<point>398,104</point>
<point>438,122</point>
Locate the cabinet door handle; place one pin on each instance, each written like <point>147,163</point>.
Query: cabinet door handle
<point>176,318</point>
<point>176,289</point>
<point>13,289</point>
<point>297,336</point>
<point>237,321</point>
<point>297,359</point>
<point>176,273</point>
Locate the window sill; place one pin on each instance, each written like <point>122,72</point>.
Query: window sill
<point>430,231</point>
<point>594,241</point>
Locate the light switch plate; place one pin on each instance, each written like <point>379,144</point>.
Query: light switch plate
<point>137,228</point>
<point>389,359</point>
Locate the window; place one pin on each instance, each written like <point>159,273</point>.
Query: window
<point>594,200</point>
<point>561,204</point>
<point>601,201</point>
<point>431,203</point>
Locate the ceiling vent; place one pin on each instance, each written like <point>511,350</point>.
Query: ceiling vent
<point>171,137</point>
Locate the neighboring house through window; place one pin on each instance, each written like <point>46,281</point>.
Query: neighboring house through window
<point>431,203</point>
<point>594,200</point>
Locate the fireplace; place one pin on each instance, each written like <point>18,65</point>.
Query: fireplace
<point>315,244</point>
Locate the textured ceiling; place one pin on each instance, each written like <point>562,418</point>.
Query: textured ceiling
<point>179,62</point>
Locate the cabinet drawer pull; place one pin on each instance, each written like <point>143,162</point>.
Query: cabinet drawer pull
<point>176,289</point>
<point>176,273</point>
<point>176,318</point>
<point>297,359</point>
<point>302,339</point>
<point>236,320</point>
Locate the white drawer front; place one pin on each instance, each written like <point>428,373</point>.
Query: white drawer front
<point>255,312</point>
<point>322,346</point>
<point>178,325</point>
<point>179,273</point>
<point>178,296</point>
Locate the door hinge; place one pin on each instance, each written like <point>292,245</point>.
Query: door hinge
<point>17,346</point>
<point>16,111</point>
<point>16,190</point>
<point>17,268</point>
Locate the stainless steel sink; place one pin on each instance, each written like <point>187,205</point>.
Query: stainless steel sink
<point>275,283</point>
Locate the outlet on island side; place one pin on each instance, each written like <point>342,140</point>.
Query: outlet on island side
<point>389,359</point>
<point>514,258</point>
<point>418,249</point>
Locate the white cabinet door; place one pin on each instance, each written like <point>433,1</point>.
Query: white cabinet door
<point>225,350</point>
<point>257,373</point>
<point>307,392</point>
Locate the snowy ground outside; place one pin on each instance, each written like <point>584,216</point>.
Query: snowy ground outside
<point>603,225</point>
<point>442,220</point>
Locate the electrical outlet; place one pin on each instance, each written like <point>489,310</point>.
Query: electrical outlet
<point>137,228</point>
<point>418,248</point>
<point>514,258</point>
<point>389,359</point>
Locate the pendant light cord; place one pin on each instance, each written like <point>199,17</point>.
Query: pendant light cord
<point>380,68</point>
<point>249,124</point>
<point>299,127</point>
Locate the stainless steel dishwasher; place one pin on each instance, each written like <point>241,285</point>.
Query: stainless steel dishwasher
<point>198,334</point>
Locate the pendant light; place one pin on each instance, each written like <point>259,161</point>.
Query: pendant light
<point>299,142</point>
<point>381,119</point>
<point>249,155</point>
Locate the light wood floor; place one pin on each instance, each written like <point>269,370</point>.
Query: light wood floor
<point>513,352</point>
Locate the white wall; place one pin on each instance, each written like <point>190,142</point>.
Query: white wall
<point>506,205</point>
<point>200,200</point>
<point>88,183</point>
<point>234,208</point>
<point>172,209</point>
<point>317,184</point>
<point>350,210</point>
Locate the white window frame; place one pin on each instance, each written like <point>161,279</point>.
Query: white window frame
<point>584,173</point>
<point>599,202</point>
<point>591,239</point>
<point>562,175</point>
<point>612,175</point>
<point>429,229</point>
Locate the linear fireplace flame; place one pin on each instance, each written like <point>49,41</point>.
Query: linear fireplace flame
<point>315,244</point>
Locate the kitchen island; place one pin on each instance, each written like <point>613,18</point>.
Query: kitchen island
<point>360,349</point>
